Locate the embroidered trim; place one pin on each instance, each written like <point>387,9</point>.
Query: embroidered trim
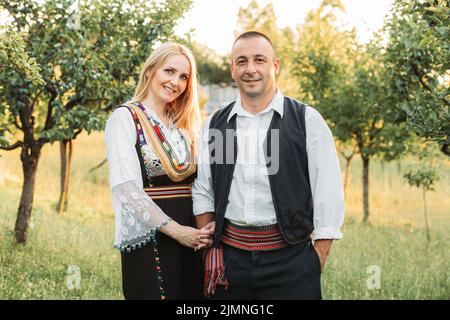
<point>162,292</point>
<point>140,240</point>
<point>176,170</point>
<point>169,192</point>
<point>152,165</point>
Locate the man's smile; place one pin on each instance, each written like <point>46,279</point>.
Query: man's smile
<point>251,80</point>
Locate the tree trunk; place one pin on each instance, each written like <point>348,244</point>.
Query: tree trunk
<point>366,188</point>
<point>347,168</point>
<point>445,148</point>
<point>30,158</point>
<point>426,215</point>
<point>66,160</point>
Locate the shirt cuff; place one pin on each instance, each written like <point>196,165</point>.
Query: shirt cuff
<point>327,233</point>
<point>201,208</point>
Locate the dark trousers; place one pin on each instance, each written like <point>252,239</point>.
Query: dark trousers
<point>289,273</point>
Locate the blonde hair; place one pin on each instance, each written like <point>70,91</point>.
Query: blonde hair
<point>184,110</point>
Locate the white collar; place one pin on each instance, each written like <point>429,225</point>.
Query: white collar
<point>276,104</point>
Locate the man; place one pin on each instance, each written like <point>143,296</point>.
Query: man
<point>266,212</point>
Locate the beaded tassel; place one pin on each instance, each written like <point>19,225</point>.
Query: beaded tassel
<point>158,270</point>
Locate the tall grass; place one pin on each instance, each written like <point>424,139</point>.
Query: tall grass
<point>394,242</point>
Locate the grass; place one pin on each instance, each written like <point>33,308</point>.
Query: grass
<point>394,242</point>
<point>81,237</point>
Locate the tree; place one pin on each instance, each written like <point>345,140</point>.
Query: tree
<point>212,68</point>
<point>13,56</point>
<point>362,109</point>
<point>89,58</point>
<point>348,152</point>
<point>346,83</point>
<point>324,54</point>
<point>373,121</point>
<point>423,176</point>
<point>424,179</point>
<point>418,63</point>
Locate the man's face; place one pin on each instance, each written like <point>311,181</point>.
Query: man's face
<point>253,66</point>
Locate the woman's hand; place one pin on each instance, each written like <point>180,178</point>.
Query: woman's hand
<point>194,238</point>
<point>188,236</point>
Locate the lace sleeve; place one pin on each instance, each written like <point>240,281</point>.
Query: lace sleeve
<point>137,216</point>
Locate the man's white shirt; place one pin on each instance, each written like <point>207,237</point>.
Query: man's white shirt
<point>250,199</point>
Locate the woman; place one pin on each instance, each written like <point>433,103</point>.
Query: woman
<point>150,147</point>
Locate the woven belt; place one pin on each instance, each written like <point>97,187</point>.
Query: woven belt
<point>169,192</point>
<point>249,238</point>
<point>253,238</point>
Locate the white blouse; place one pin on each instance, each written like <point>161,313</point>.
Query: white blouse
<point>137,217</point>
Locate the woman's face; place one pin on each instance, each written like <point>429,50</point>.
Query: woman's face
<point>170,81</point>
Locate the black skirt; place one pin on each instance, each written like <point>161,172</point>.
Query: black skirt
<point>164,269</point>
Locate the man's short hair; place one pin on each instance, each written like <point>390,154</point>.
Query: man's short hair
<point>255,34</point>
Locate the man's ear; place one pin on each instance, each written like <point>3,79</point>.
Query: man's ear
<point>232,70</point>
<point>276,65</point>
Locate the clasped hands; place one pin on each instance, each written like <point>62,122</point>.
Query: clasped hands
<point>195,238</point>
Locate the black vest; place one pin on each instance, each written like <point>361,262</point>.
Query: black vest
<point>290,187</point>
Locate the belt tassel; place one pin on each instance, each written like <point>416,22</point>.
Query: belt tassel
<point>214,271</point>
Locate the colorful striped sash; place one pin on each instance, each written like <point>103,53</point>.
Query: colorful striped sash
<point>176,170</point>
<point>253,238</point>
<point>169,192</point>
